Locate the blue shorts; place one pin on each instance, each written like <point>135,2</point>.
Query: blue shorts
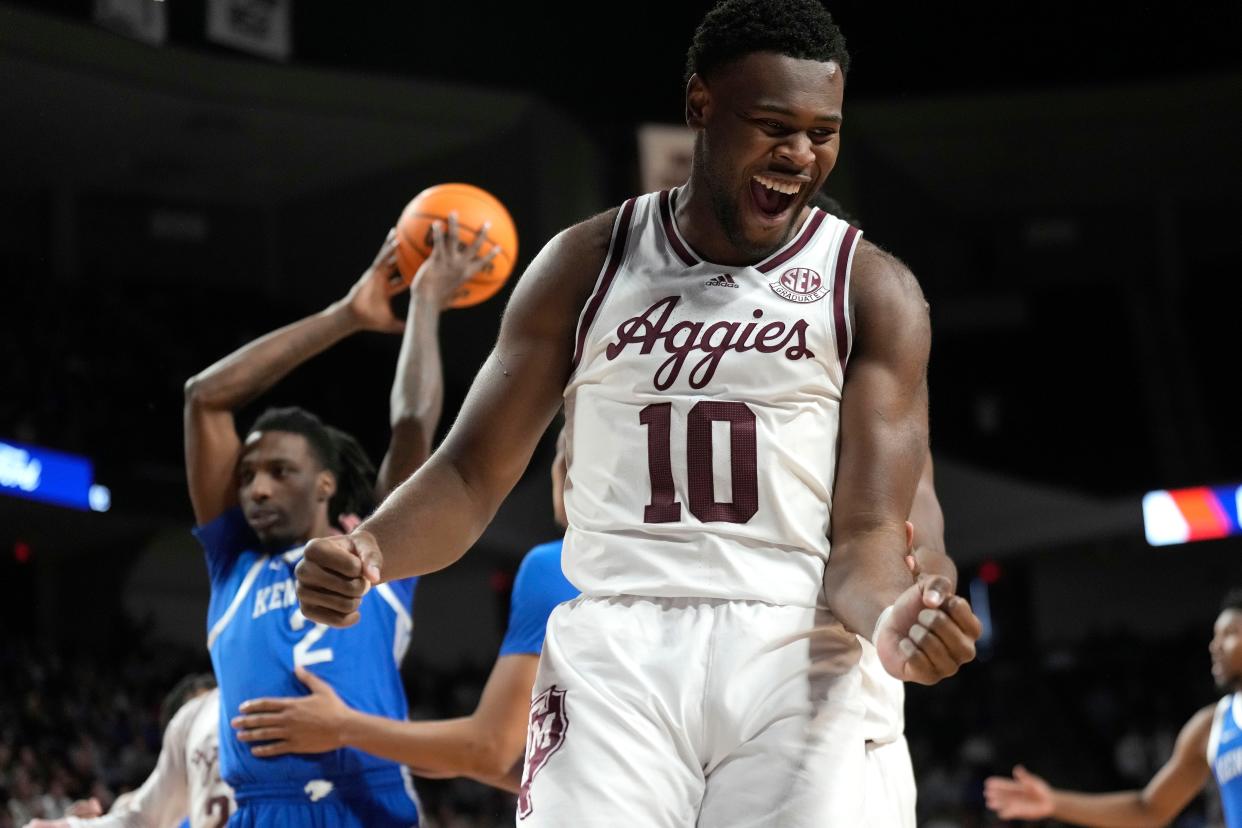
<point>388,801</point>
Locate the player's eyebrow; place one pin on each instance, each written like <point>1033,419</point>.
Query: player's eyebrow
<point>833,118</point>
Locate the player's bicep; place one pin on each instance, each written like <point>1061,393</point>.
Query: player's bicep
<point>211,451</point>
<point>518,390</point>
<point>884,400</point>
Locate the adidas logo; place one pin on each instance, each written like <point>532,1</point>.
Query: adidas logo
<point>723,280</point>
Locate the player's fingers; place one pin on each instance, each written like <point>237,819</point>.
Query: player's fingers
<point>960,611</point>
<point>917,668</point>
<point>317,580</point>
<point>263,734</point>
<point>935,589</point>
<point>332,619</point>
<point>274,749</point>
<point>326,599</point>
<point>255,721</point>
<point>942,662</point>
<point>437,238</point>
<point>480,238</point>
<point>369,555</point>
<point>959,646</point>
<point>314,682</point>
<point>335,554</point>
<point>265,705</point>
<point>451,234</point>
<point>314,575</point>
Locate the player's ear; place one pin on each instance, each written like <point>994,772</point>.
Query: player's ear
<point>698,102</point>
<point>325,486</point>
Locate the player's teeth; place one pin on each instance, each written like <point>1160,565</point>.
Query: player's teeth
<point>786,187</point>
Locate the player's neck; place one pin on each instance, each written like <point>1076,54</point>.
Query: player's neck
<point>697,220</point>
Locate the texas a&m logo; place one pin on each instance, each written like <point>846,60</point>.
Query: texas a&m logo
<point>544,737</point>
<point>801,285</point>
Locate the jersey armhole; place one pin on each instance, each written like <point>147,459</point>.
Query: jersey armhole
<point>843,267</point>
<point>612,263</point>
<point>1218,721</point>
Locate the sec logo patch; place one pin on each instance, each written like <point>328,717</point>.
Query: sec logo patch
<point>801,285</point>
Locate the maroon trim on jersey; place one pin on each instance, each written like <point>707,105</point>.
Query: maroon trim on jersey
<point>670,231</point>
<point>839,310</point>
<point>616,252</point>
<point>816,219</point>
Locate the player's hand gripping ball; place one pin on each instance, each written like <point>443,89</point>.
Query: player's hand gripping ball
<point>474,207</point>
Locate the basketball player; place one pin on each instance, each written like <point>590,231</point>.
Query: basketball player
<point>1210,744</point>
<point>699,340</point>
<point>487,745</point>
<point>258,499</point>
<point>186,779</point>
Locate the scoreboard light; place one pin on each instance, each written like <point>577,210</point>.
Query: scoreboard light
<point>1173,516</point>
<point>54,477</point>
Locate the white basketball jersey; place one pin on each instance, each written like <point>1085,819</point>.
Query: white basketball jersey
<point>703,414</point>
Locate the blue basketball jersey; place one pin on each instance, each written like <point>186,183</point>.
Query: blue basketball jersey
<point>1225,757</point>
<point>538,588</point>
<point>257,634</point>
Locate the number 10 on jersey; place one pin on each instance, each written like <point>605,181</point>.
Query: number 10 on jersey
<point>743,462</point>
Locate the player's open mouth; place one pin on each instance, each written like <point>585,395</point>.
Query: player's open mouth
<point>773,196</point>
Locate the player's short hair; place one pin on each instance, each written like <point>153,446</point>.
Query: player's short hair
<point>336,451</point>
<point>1232,600</point>
<point>184,690</point>
<point>735,28</point>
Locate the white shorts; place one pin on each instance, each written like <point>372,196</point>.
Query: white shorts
<point>891,792</point>
<point>673,713</point>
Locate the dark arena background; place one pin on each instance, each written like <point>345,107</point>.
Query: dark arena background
<point>179,177</point>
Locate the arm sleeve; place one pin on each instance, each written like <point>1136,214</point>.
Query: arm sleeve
<point>223,539</point>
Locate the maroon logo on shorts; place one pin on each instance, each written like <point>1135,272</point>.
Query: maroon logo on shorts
<point>800,284</point>
<point>544,737</point>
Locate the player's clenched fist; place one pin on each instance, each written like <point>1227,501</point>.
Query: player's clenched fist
<point>929,633</point>
<point>334,574</point>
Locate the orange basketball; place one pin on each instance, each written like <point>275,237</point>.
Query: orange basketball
<point>474,207</point>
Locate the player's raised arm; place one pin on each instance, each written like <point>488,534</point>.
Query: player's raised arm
<point>433,518</point>
<point>214,394</point>
<point>418,384</point>
<point>1027,796</point>
<point>883,445</point>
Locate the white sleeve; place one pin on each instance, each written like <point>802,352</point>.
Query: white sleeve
<point>163,798</point>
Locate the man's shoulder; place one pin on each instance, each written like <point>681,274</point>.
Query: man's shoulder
<point>878,277</point>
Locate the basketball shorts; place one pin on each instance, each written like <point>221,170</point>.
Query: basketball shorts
<point>891,792</point>
<point>384,800</point>
<point>671,713</point>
